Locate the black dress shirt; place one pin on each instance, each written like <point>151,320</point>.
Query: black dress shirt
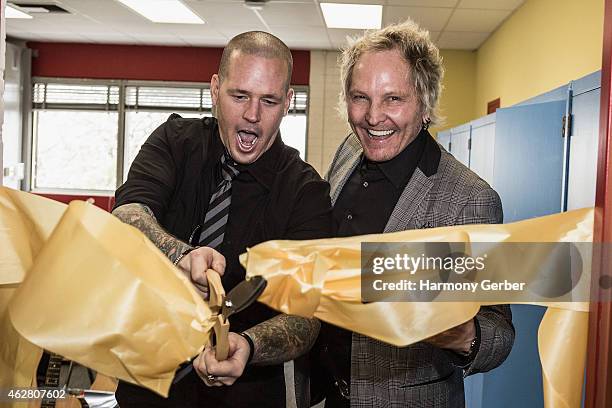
<point>371,192</point>
<point>363,207</point>
<point>276,197</point>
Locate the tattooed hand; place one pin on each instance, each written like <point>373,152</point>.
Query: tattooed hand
<point>195,264</point>
<point>215,373</point>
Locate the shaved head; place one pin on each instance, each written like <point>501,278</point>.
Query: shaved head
<point>260,44</point>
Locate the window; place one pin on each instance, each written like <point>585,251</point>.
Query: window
<point>87,133</point>
<point>293,128</point>
<point>139,125</point>
<point>75,150</point>
<point>74,136</point>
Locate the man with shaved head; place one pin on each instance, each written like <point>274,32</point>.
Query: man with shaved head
<point>203,190</point>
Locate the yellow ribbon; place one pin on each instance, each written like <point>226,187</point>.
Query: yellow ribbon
<point>76,281</point>
<point>95,291</point>
<point>322,278</point>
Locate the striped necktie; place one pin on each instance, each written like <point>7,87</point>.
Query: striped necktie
<point>213,229</point>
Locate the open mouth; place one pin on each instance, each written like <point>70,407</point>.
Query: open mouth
<point>247,140</point>
<point>380,134</point>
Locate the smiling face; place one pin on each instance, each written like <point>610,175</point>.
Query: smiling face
<point>383,109</point>
<point>251,100</point>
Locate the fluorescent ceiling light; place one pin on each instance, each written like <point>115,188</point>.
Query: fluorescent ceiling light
<point>359,16</point>
<point>164,11</point>
<point>12,12</point>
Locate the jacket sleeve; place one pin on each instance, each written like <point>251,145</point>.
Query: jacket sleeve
<point>311,217</point>
<point>494,322</point>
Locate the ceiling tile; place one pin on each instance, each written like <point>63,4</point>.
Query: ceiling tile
<point>199,41</point>
<point>423,3</point>
<point>242,1</point>
<point>432,19</point>
<point>161,40</point>
<point>461,40</point>
<point>231,31</point>
<point>491,4</point>
<point>292,14</point>
<point>298,22</point>
<point>476,20</point>
<point>309,45</point>
<point>224,13</point>
<point>103,11</point>
<point>304,34</point>
<point>19,24</point>
<point>434,35</point>
<point>136,30</point>
<point>78,23</point>
<point>34,25</point>
<point>62,37</point>
<point>338,36</point>
<point>25,36</point>
<point>213,36</point>
<point>380,2</point>
<point>182,29</point>
<point>111,38</point>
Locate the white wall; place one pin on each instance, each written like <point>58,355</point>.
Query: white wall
<point>326,129</point>
<point>2,52</point>
<point>13,115</point>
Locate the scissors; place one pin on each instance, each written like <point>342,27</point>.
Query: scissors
<point>222,306</point>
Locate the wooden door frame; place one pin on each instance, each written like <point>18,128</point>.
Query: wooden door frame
<point>599,351</point>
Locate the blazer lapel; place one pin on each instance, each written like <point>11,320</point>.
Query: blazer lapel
<point>348,159</point>
<point>403,216</point>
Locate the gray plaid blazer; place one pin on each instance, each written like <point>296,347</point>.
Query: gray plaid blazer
<point>441,192</point>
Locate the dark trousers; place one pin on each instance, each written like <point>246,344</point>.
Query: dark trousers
<point>262,387</point>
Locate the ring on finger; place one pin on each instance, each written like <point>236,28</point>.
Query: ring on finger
<point>211,378</point>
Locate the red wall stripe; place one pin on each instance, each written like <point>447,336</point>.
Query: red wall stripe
<point>106,61</point>
<point>104,202</point>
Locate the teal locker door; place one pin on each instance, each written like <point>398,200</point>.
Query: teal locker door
<point>460,141</point>
<point>527,174</point>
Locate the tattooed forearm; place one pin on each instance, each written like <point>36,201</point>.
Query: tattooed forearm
<point>141,217</point>
<point>283,338</point>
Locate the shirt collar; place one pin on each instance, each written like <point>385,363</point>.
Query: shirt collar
<point>399,169</point>
<point>264,168</point>
<point>430,159</point>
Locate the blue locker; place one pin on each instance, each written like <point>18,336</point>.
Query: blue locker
<point>518,381</point>
<point>584,142</point>
<point>527,166</point>
<point>444,138</point>
<point>557,94</point>
<point>529,159</point>
<point>482,152</point>
<point>520,152</point>
<point>460,143</point>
